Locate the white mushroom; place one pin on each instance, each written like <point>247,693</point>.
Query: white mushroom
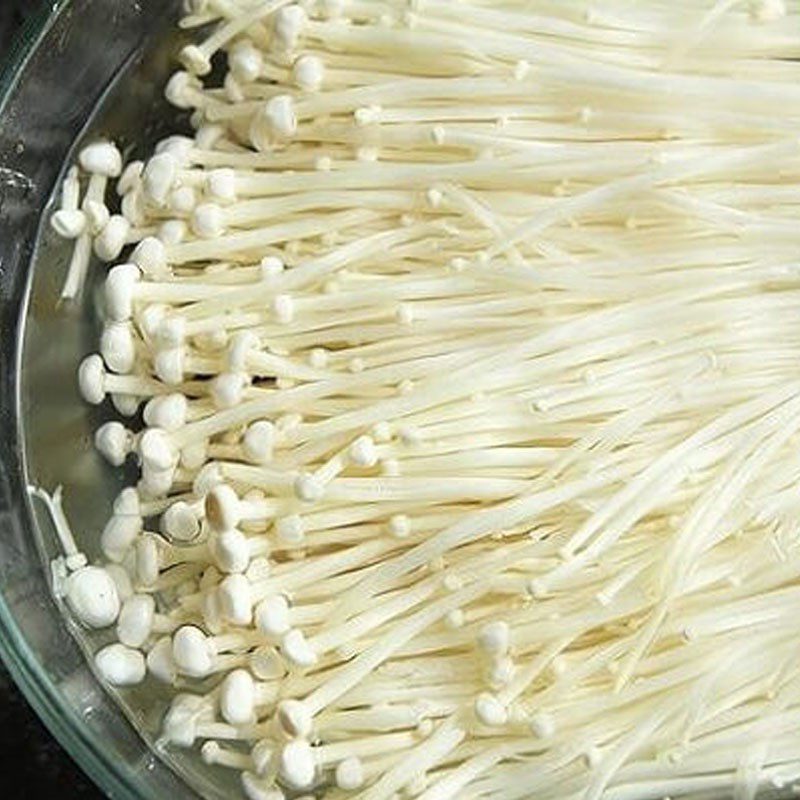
<point>465,340</point>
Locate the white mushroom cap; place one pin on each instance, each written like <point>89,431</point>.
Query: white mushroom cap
<point>230,551</point>
<point>290,22</point>
<point>101,158</point>
<point>258,441</point>
<point>156,483</point>
<point>133,206</point>
<point>171,331</point>
<point>270,267</point>
<point>227,389</point>
<point>490,711</point>
<point>150,319</point>
<point>92,596</point>
<point>113,440</point>
<point>130,178</point>
<point>158,178</point>
<point>245,61</point>
<point>182,200</point>
<point>121,665</point>
<point>118,348</point>
<point>135,621</point>
<point>119,535</point>
<point>221,185</point>
<point>400,526</point>
<point>208,221</point>
<point>206,479</point>
<point>290,530</point>
<point>237,698</point>
<point>178,146</point>
<point>195,455</point>
<point>274,123</point>
<point>177,89</point>
<point>208,135</point>
<point>296,764</point>
<point>308,73</point>
<point>295,718</point>
<point>272,616</point>
<point>112,239</point>
<point>69,223</point>
<point>167,412</point>
<point>362,452</point>
<point>223,507</point>
<point>126,404</point>
<point>146,560</point>
<point>297,650</point>
<point>91,379</point>
<point>97,216</point>
<point>494,638</point>
<point>119,292</point>
<point>191,652</point>
<point>151,257</point>
<point>195,60</point>
<point>239,347</point>
<point>350,774</point>
<point>236,599</point>
<point>266,663</point>
<point>308,488</point>
<point>157,451</point>
<point>180,722</point>
<point>169,365</point>
<point>180,522</point>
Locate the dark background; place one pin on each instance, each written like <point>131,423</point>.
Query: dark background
<point>32,764</point>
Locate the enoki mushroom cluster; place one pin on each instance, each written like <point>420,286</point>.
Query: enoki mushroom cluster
<point>462,342</point>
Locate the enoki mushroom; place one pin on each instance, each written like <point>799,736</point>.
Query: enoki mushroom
<point>465,337</point>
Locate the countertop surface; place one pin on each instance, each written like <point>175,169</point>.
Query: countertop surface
<point>32,764</point>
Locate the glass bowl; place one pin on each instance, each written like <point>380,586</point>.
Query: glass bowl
<point>85,68</point>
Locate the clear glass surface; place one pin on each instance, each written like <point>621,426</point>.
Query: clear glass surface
<point>86,68</point>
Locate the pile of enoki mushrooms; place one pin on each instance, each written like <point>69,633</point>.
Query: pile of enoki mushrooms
<point>461,349</point>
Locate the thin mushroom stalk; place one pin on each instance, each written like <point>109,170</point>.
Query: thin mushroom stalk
<point>465,345</point>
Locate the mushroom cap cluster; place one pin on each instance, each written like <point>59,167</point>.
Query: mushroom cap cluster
<point>457,351</point>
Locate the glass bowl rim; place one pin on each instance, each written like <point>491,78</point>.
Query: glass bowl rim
<point>112,776</point>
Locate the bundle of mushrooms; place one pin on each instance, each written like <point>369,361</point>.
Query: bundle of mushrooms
<point>466,340</point>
